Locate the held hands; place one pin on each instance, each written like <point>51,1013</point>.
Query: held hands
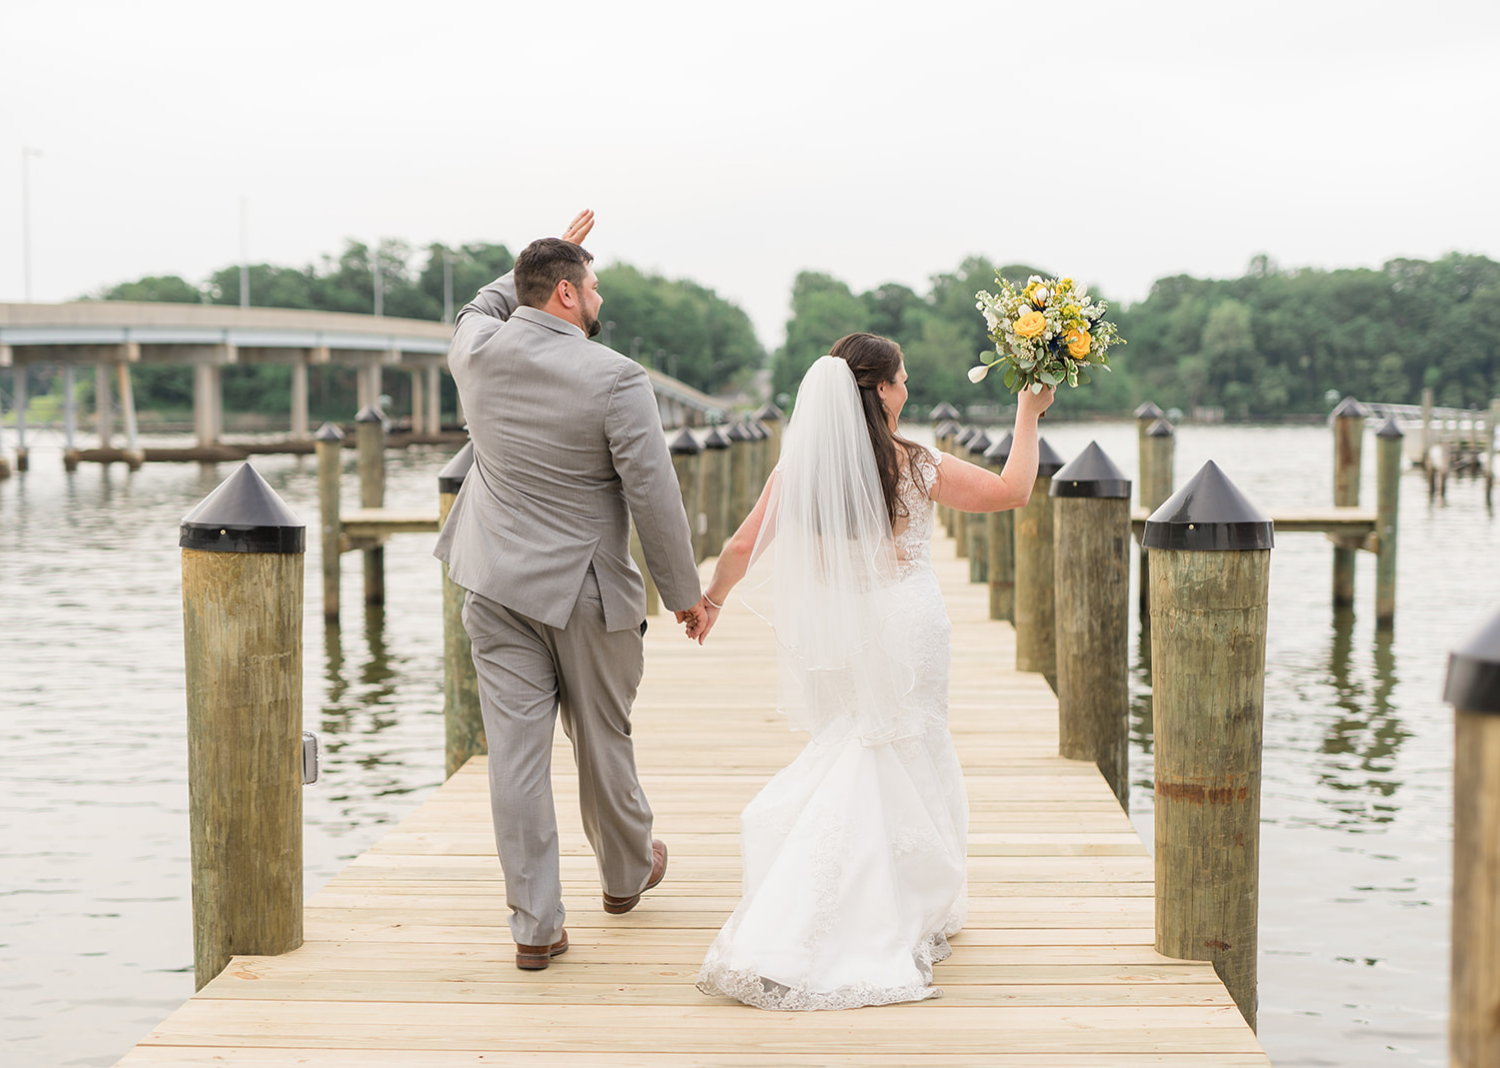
<point>700,619</point>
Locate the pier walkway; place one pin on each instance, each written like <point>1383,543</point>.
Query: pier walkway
<point>409,961</point>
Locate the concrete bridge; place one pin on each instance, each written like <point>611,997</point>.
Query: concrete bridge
<point>114,336</point>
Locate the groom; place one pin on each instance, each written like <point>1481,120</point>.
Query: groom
<point>568,447</point>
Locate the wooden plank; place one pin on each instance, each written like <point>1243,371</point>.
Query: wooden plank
<point>379,522</point>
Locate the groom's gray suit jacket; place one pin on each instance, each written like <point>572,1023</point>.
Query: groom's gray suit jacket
<point>568,445</point>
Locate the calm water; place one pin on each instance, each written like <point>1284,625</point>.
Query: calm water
<point>95,938</point>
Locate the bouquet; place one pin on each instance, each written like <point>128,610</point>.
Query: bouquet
<point>1046,333</point>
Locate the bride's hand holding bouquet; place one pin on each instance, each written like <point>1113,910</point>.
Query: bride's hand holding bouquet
<point>1046,333</point>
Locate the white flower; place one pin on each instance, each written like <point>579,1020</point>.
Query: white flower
<point>976,374</point>
<point>1081,291</point>
<point>1041,296</point>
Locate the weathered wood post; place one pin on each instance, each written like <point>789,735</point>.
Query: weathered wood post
<point>772,417</point>
<point>687,458</point>
<point>328,444</point>
<point>1156,452</point>
<point>20,401</point>
<point>1091,554</point>
<point>1210,574</point>
<point>977,526</point>
<point>739,471</point>
<point>1000,537</point>
<point>5,460</point>
<point>1145,416</point>
<point>943,438</point>
<point>713,491</point>
<point>1427,441</point>
<point>369,439</point>
<point>1036,638</point>
<point>1388,455</point>
<point>242,570</point>
<point>1348,421</point>
<point>958,522</point>
<point>463,722</point>
<point>1473,688</point>
<point>1489,449</point>
<point>70,417</point>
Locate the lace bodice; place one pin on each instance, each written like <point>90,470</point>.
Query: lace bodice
<point>913,531</point>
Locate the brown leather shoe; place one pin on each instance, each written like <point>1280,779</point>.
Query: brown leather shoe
<point>618,906</point>
<point>535,958</point>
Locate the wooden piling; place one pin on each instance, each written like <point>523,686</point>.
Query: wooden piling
<point>687,459</point>
<point>713,491</point>
<point>1388,455</point>
<point>1091,556</point>
<point>242,570</point>
<point>1348,421</point>
<point>463,723</point>
<point>1427,441</point>
<point>958,522</point>
<point>329,443</point>
<point>19,402</point>
<point>1036,638</point>
<point>977,526</point>
<point>943,438</point>
<point>1000,538</point>
<point>1145,417</point>
<point>1210,575</point>
<point>1473,688</point>
<point>1157,458</point>
<point>369,433</point>
<point>1489,450</point>
<point>773,418</point>
<point>741,462</point>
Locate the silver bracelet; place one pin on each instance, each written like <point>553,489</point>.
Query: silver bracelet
<point>710,600</point>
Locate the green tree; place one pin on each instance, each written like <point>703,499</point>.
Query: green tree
<point>166,289</point>
<point>823,310</point>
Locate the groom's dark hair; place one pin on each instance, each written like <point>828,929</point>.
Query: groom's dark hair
<point>544,263</point>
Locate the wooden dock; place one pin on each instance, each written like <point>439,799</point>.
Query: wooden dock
<point>409,960</point>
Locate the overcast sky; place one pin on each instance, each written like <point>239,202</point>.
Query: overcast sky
<point>738,144</point>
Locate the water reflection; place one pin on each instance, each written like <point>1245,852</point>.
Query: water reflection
<point>1361,740</point>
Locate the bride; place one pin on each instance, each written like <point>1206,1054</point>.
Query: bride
<point>854,854</point>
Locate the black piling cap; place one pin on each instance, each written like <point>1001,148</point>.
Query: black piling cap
<point>243,515</point>
<point>329,432</point>
<point>1148,411</point>
<point>715,440</point>
<point>965,435</point>
<point>947,430</point>
<point>451,477</point>
<point>684,444</point>
<point>740,432</point>
<point>1160,429</point>
<point>1209,514</point>
<point>770,413</point>
<point>1048,462</point>
<point>979,442</point>
<point>1474,671</point>
<point>943,413</point>
<point>999,452</point>
<point>1389,429</point>
<point>1091,474</point>
<point>370,414</point>
<point>1349,408</point>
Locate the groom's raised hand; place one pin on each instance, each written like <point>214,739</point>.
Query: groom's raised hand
<point>579,229</point>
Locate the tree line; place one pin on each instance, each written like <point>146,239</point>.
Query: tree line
<point>1273,342</point>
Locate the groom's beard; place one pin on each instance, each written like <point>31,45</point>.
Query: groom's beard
<point>592,327</point>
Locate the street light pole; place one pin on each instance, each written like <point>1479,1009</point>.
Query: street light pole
<point>26,154</point>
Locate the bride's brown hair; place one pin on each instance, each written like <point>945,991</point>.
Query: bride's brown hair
<point>875,359</point>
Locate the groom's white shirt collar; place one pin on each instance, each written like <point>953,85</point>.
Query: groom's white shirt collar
<point>548,320</point>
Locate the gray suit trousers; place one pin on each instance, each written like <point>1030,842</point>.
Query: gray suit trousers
<point>528,672</point>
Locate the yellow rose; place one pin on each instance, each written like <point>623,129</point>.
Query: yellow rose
<point>1031,324</point>
<point>1078,343</point>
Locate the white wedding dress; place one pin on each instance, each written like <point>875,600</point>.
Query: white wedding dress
<point>854,854</point>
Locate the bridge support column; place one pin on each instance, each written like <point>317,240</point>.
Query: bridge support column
<point>18,395</point>
<point>419,402</point>
<point>299,400</point>
<point>70,417</point>
<point>104,412</point>
<point>434,395</point>
<point>134,457</point>
<point>208,403</point>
